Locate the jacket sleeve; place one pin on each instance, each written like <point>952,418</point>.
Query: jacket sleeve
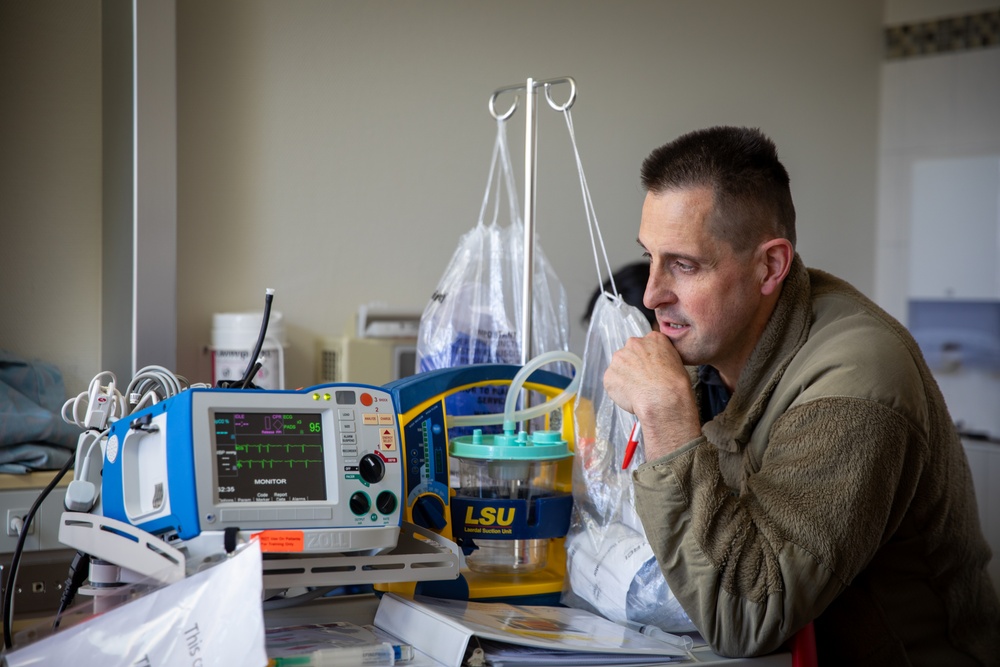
<point>752,566</point>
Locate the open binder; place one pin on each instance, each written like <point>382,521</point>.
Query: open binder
<point>451,631</point>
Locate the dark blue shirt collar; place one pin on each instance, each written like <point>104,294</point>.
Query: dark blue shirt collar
<point>714,393</point>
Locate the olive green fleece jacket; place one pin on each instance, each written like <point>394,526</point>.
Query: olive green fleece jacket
<point>833,487</point>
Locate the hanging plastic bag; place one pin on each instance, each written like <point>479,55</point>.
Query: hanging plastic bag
<point>474,315</point>
<point>610,567</point>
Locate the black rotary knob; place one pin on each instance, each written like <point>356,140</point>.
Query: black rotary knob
<point>371,468</point>
<point>386,502</point>
<point>359,502</point>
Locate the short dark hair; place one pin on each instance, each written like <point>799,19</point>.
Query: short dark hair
<point>753,200</point>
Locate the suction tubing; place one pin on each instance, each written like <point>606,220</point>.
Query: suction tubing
<point>509,415</point>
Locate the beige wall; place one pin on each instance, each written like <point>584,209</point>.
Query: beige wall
<point>336,150</point>
<point>50,184</point>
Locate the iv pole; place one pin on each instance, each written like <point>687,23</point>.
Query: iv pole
<point>530,180</point>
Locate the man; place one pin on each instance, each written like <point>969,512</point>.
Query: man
<point>805,466</point>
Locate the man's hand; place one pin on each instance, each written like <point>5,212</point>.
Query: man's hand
<point>647,378</point>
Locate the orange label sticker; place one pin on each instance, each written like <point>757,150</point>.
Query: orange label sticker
<point>281,541</point>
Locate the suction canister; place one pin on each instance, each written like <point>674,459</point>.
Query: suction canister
<point>505,510</point>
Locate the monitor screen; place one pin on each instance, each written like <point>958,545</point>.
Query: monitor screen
<point>269,457</point>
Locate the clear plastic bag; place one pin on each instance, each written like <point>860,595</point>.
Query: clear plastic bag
<point>474,315</point>
<point>610,567</point>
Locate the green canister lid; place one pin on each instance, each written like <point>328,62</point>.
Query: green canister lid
<point>539,446</point>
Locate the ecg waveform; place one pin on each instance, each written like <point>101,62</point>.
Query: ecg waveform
<point>236,458</point>
<point>270,463</point>
<point>267,447</point>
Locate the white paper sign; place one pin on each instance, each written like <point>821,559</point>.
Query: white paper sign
<point>211,619</point>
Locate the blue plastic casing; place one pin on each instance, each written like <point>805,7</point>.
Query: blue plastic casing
<point>177,455</point>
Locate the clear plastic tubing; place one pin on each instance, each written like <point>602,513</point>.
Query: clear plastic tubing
<point>509,415</point>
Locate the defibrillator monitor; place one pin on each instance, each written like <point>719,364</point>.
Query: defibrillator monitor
<point>323,464</point>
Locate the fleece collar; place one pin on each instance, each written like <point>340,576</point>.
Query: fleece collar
<point>785,333</point>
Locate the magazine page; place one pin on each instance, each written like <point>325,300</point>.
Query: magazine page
<point>292,640</point>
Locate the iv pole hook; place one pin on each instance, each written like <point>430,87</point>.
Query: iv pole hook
<point>546,86</point>
<point>513,107</point>
<point>572,93</point>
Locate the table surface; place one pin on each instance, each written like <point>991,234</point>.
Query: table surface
<point>360,610</point>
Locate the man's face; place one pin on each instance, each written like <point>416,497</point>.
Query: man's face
<point>707,298</point>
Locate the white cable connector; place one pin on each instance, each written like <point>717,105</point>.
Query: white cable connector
<point>81,496</point>
<point>97,407</point>
<point>16,525</point>
<point>100,406</point>
<point>82,493</point>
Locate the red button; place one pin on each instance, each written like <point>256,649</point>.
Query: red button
<point>366,399</point>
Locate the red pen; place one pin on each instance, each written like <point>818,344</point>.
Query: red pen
<point>633,440</point>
